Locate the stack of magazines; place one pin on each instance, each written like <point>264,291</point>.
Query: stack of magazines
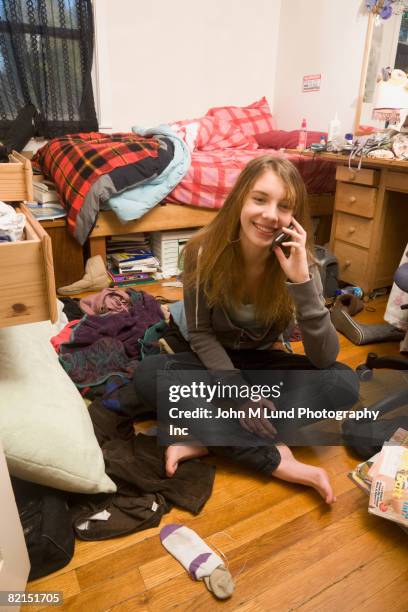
<point>384,478</point>
<point>130,260</point>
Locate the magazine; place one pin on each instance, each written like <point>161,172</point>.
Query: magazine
<point>48,211</point>
<point>389,489</point>
<point>384,477</point>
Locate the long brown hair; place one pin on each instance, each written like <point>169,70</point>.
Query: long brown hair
<point>219,267</point>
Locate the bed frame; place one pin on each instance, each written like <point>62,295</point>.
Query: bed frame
<point>16,181</point>
<point>169,216</point>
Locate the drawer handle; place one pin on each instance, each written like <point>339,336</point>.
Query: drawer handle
<point>351,230</point>
<point>347,263</point>
<point>352,176</point>
<point>352,199</point>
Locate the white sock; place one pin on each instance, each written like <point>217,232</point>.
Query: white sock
<point>197,558</point>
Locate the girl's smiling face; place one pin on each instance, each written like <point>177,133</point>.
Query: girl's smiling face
<point>265,209</point>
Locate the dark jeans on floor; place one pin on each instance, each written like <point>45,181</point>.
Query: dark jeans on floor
<point>337,388</point>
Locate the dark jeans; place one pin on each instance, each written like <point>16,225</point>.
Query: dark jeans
<point>336,387</point>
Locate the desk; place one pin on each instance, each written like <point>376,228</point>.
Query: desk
<point>370,221</point>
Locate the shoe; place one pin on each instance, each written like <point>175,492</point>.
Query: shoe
<point>95,278</point>
<point>345,307</point>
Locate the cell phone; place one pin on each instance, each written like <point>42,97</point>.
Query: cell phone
<point>280,236</point>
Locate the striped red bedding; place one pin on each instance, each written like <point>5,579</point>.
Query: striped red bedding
<point>213,173</point>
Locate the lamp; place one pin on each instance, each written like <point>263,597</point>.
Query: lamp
<point>391,97</point>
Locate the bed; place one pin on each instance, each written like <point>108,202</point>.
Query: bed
<point>216,147</point>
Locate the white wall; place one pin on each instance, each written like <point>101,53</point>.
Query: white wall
<point>172,60</point>
<point>324,37</point>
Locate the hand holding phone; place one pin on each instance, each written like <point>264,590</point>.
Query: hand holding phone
<point>280,236</point>
<point>294,261</point>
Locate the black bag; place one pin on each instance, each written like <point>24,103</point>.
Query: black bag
<point>47,527</point>
<point>20,131</point>
<point>366,438</point>
<point>329,271</point>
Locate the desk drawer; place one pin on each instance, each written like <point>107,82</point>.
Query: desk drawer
<point>27,285</point>
<point>356,199</point>
<point>397,181</point>
<point>356,230</point>
<point>353,263</point>
<point>355,176</point>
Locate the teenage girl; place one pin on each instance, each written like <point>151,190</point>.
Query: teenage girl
<point>239,297</point>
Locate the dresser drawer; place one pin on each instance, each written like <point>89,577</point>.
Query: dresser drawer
<point>16,179</point>
<point>356,230</point>
<point>356,199</point>
<point>27,285</point>
<point>353,262</point>
<point>355,176</point>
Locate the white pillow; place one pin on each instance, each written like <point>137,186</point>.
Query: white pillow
<point>45,426</point>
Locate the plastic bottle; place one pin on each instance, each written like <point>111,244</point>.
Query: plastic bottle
<point>334,129</point>
<point>349,139</point>
<point>302,143</point>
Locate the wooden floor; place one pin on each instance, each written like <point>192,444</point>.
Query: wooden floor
<point>285,548</point>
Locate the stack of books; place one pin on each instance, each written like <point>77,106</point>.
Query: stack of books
<point>167,247</point>
<point>130,260</point>
<point>45,192</point>
<point>384,478</point>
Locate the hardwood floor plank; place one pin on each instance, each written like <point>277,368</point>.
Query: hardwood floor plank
<point>306,569</point>
<point>394,596</point>
<point>118,562</point>
<point>356,587</point>
<point>66,583</point>
<point>134,604</point>
<point>106,594</point>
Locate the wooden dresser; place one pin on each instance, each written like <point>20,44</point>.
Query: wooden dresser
<point>27,285</point>
<point>370,222</point>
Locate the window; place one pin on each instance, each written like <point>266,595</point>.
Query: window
<point>46,49</point>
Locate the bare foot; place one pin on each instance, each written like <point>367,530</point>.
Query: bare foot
<point>292,470</point>
<point>177,453</point>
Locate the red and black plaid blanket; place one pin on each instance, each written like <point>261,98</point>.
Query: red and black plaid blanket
<point>76,161</point>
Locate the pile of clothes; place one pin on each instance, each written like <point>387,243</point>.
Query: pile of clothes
<point>106,335</point>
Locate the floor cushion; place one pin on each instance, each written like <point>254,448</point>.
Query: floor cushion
<point>45,427</point>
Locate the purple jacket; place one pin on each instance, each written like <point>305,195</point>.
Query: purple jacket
<point>128,327</point>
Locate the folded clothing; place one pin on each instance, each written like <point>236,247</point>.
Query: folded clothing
<point>11,223</point>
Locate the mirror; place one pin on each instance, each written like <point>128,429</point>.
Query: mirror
<point>386,46</point>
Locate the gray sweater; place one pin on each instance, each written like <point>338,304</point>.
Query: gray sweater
<point>211,330</point>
